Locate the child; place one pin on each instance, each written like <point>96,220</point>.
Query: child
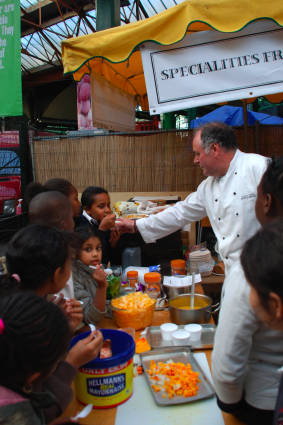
<point>66,187</point>
<point>59,185</point>
<point>89,284</point>
<point>39,260</point>
<point>269,202</point>
<point>97,216</point>
<point>34,336</point>
<point>39,257</point>
<point>51,209</point>
<point>245,370</point>
<point>55,210</point>
<point>266,291</point>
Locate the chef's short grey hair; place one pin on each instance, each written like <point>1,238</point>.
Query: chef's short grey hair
<point>220,133</point>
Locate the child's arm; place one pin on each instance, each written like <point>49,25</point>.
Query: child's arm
<point>74,312</point>
<point>114,237</point>
<point>107,222</point>
<point>85,350</point>
<point>99,300</point>
<point>86,290</point>
<point>72,309</point>
<point>60,381</point>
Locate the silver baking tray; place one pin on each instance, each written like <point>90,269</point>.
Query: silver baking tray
<point>183,355</point>
<point>154,337</point>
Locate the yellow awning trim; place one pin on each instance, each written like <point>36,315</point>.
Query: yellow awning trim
<point>114,54</point>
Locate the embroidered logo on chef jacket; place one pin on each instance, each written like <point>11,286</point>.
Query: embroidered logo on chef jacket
<point>249,196</point>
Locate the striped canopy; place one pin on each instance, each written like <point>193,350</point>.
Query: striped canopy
<point>114,53</point>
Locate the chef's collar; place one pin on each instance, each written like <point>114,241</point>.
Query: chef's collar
<point>89,218</point>
<point>232,164</point>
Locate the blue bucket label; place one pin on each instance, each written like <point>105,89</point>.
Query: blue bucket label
<point>106,386</point>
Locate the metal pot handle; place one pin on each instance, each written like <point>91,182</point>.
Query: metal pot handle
<point>216,308</point>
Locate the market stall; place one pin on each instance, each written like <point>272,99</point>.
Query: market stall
<point>115,55</point>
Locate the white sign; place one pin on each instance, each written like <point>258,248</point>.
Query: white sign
<point>212,67</point>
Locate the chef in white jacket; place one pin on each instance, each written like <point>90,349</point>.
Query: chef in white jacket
<point>247,355</point>
<point>227,196</point>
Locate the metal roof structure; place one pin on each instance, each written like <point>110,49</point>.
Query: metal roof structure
<point>45,23</point>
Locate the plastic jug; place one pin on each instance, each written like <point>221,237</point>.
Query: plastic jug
<point>131,256</point>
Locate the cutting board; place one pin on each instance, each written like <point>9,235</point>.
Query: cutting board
<point>141,409</point>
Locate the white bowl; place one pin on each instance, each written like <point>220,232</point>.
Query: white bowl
<point>195,330</point>
<point>181,337</point>
<point>167,329</point>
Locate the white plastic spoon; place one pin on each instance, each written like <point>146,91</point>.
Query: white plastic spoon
<point>92,327</point>
<point>84,412</point>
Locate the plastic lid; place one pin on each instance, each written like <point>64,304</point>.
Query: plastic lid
<point>152,277</point>
<point>132,273</point>
<point>180,264</point>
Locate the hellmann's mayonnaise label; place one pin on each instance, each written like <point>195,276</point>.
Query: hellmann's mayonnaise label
<point>105,388</point>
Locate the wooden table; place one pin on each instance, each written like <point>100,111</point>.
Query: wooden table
<point>107,416</point>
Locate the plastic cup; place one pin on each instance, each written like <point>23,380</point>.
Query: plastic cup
<point>167,329</point>
<point>181,337</point>
<point>195,330</point>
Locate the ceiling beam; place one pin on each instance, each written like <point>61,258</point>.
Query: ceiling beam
<point>38,5</point>
<point>50,22</point>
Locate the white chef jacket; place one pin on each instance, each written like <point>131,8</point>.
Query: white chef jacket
<point>229,203</point>
<point>246,354</point>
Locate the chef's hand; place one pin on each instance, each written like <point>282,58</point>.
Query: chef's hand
<point>114,237</point>
<point>85,350</point>
<point>125,225</point>
<point>107,222</point>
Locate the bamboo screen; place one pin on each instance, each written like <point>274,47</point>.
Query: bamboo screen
<point>160,162</point>
<point>157,162</point>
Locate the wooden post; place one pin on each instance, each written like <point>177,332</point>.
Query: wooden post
<point>257,137</point>
<point>245,113</point>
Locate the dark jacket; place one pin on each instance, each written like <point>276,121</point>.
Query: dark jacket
<point>278,412</point>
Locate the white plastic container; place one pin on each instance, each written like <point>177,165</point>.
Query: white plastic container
<point>181,337</point>
<point>195,331</point>
<point>131,256</point>
<point>167,329</point>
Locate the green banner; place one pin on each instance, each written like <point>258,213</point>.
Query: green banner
<point>10,59</point>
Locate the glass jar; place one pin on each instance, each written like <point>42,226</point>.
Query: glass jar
<point>152,282</point>
<point>178,267</point>
<point>133,278</point>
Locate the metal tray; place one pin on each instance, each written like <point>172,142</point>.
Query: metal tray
<point>183,355</point>
<point>154,338</point>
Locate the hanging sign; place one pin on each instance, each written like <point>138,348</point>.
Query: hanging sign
<point>212,67</point>
<point>10,59</point>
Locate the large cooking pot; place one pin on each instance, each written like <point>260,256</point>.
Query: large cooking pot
<point>182,313</point>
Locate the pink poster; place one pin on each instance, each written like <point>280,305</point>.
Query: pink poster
<point>84,103</point>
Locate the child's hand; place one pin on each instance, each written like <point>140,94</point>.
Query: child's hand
<point>59,300</point>
<point>100,276</point>
<point>85,350</point>
<point>107,222</point>
<point>74,312</point>
<point>114,237</point>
